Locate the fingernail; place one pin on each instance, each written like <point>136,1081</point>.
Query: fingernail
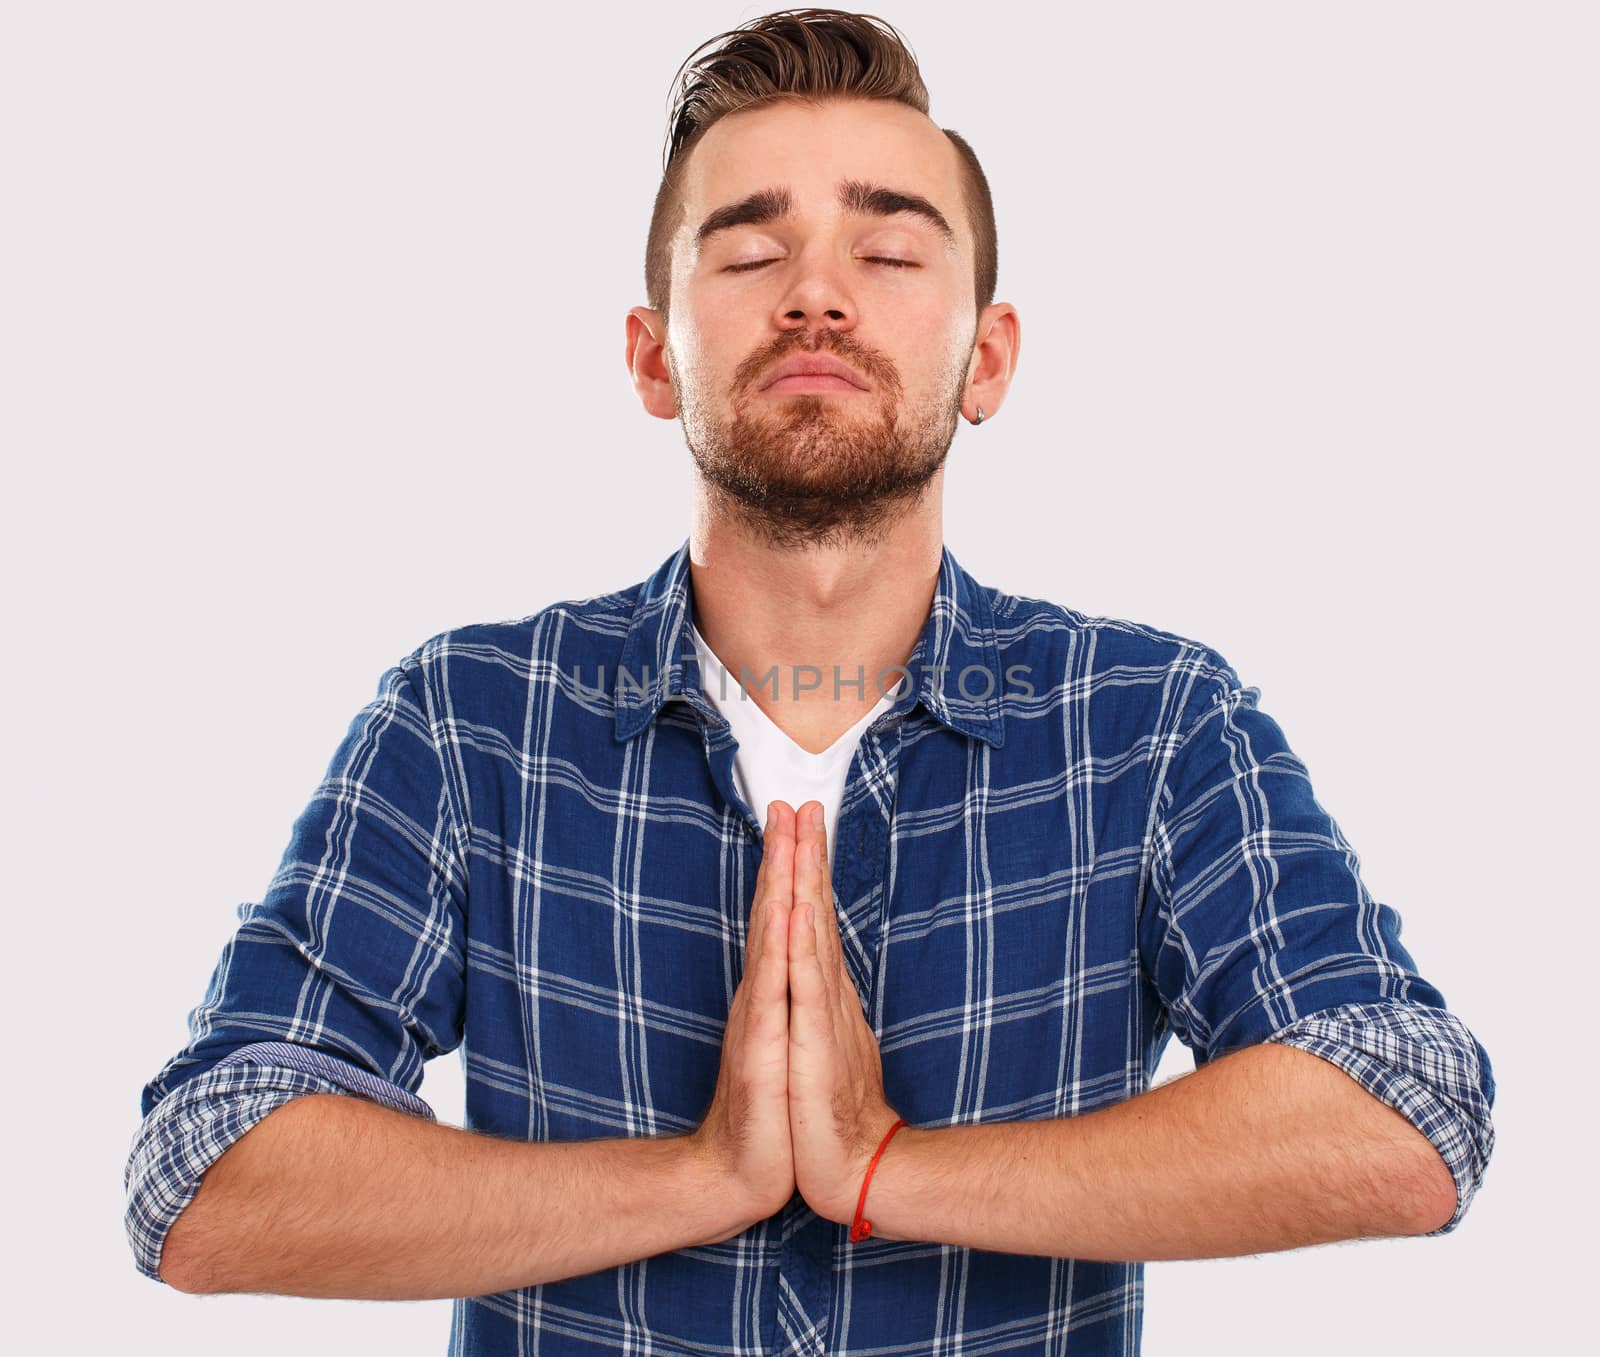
<point>816,817</point>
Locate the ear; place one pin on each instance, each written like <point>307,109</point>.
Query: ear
<point>994,360</point>
<point>645,355</point>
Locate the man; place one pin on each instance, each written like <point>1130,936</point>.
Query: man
<point>818,1015</point>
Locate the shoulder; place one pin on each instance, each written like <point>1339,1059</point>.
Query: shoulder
<point>1070,643</point>
<point>564,636</point>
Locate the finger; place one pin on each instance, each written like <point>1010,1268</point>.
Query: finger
<point>830,947</point>
<point>770,982</point>
<point>779,878</point>
<point>830,935</point>
<point>809,978</point>
<point>830,942</point>
<point>774,885</point>
<point>770,880</point>
<point>770,972</point>
<point>759,913</point>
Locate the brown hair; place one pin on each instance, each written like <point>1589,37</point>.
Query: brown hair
<point>805,56</point>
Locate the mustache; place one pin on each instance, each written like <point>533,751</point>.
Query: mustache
<point>873,366</point>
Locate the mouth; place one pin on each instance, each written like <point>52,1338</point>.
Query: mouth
<point>813,382</point>
<point>816,372</point>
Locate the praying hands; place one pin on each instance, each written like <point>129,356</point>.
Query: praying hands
<point>799,1099</point>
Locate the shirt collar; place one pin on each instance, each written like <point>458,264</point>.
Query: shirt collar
<point>957,642</point>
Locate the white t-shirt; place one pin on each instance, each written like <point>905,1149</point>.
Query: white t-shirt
<point>768,765</point>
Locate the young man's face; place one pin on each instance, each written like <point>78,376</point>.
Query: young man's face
<point>889,295</point>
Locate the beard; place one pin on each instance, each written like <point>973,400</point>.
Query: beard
<point>814,470</point>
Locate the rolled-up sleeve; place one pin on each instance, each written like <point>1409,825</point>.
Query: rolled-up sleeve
<point>1260,928</point>
<point>1423,1062</point>
<point>345,978</point>
<point>187,1131</point>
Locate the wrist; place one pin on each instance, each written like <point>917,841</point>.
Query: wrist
<point>710,1176</point>
<point>869,1197</point>
<point>868,1171</point>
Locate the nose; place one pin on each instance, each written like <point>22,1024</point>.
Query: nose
<point>816,301</point>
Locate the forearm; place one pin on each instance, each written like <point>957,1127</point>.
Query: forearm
<point>1268,1148</point>
<point>339,1197</point>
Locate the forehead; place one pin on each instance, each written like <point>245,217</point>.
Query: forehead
<point>810,151</point>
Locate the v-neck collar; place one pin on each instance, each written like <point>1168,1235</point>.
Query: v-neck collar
<point>792,749</point>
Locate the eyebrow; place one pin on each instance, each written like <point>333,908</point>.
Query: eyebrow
<point>855,197</point>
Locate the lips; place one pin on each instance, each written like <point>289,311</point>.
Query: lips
<point>814,365</point>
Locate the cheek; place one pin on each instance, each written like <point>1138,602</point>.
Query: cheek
<point>933,340</point>
<point>684,341</point>
<point>940,364</point>
<point>708,346</point>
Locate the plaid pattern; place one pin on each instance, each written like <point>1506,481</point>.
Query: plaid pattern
<point>1039,879</point>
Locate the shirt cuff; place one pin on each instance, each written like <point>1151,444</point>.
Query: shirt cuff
<point>187,1131</point>
<point>351,1078</point>
<point>1423,1062</point>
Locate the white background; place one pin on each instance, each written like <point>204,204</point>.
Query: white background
<point>312,328</point>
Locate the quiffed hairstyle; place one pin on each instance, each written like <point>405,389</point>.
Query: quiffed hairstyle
<point>805,56</point>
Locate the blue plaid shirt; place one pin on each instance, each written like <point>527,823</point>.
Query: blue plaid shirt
<point>529,846</point>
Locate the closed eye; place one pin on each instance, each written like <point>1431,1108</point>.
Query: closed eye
<point>870,259</point>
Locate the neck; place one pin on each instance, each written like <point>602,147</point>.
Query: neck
<point>857,605</point>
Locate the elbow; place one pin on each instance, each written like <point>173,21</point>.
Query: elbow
<point>175,1269</point>
<point>188,1252</point>
<point>174,1275</point>
<point>1435,1198</point>
<point>164,1249</point>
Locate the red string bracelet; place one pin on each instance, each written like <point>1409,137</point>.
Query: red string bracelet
<point>862,1228</point>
